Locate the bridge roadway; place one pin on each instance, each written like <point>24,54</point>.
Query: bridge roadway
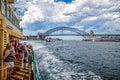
<point>77,31</point>
<point>82,35</point>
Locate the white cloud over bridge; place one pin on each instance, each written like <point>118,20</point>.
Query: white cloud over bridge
<point>99,15</point>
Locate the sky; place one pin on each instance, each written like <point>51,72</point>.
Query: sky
<point>101,16</point>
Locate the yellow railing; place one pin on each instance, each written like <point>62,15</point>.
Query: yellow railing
<point>3,73</point>
<point>11,1</point>
<point>3,41</point>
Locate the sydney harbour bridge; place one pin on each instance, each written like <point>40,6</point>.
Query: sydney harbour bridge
<point>77,32</point>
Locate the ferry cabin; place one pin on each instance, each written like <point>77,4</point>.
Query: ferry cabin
<point>9,29</point>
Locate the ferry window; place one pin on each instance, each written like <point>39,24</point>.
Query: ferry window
<point>0,5</point>
<point>8,13</point>
<point>11,15</point>
<point>12,18</point>
<point>4,7</point>
<point>16,22</point>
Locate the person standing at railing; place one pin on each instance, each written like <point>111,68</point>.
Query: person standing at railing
<point>9,58</point>
<point>15,44</point>
<point>20,52</point>
<point>29,53</point>
<point>26,53</point>
<point>12,42</point>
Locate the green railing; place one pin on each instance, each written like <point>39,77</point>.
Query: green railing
<point>36,71</point>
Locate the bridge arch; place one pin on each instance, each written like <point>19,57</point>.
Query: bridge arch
<point>79,32</point>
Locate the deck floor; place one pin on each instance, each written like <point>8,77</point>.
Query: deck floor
<point>22,71</point>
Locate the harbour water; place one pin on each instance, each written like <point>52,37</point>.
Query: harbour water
<point>77,60</point>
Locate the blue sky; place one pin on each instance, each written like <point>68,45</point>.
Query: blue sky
<point>102,16</point>
<point>66,1</point>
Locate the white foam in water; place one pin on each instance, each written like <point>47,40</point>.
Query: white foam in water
<point>55,68</point>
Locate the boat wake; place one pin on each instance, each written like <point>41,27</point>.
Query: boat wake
<point>52,68</point>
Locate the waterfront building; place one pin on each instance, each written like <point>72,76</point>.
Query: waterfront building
<point>33,37</point>
<point>108,38</point>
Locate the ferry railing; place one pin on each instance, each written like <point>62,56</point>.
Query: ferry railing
<point>36,74</point>
<point>3,73</point>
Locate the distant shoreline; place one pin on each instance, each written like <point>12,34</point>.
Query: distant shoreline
<point>102,40</point>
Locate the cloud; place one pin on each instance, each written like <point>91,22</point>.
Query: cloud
<point>99,15</point>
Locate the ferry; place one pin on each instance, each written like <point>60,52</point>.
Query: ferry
<point>9,30</point>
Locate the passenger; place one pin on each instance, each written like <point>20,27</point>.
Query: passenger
<point>25,52</point>
<point>12,42</point>
<point>20,52</point>
<point>28,49</point>
<point>30,53</point>
<point>9,59</point>
<point>15,46</point>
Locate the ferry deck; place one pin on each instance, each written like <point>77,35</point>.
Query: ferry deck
<point>10,29</point>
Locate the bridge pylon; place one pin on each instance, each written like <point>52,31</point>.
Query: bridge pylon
<point>91,36</point>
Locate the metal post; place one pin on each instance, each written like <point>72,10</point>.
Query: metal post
<point>1,53</point>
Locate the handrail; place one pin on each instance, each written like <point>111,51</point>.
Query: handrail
<point>36,73</point>
<point>3,68</point>
<point>3,71</point>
